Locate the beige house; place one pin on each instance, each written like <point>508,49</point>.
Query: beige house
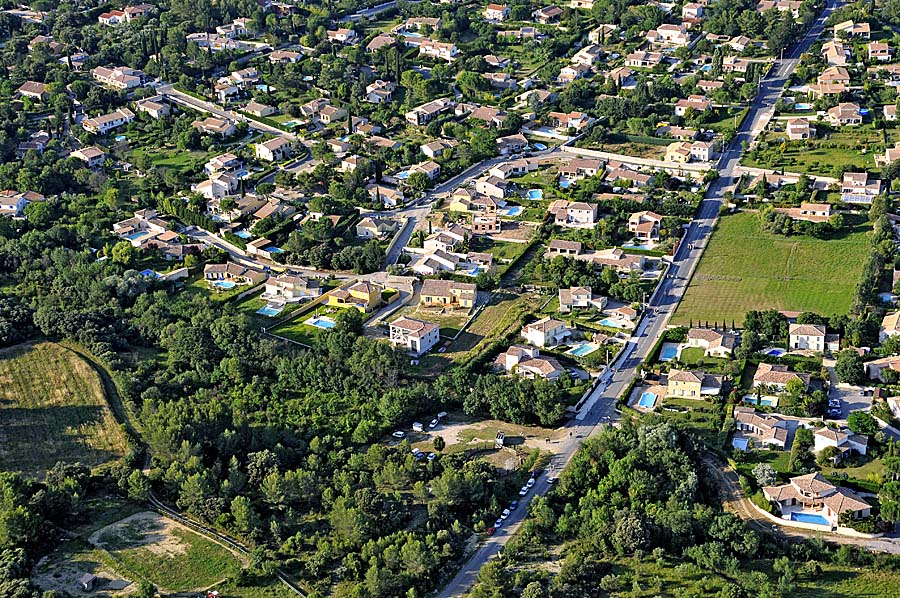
<point>527,362</point>
<point>812,492</point>
<point>645,225</point>
<point>777,377</point>
<point>447,293</point>
<point>274,150</point>
<point>580,298</point>
<point>800,128</point>
<point>546,332</point>
<point>693,384</point>
<point>713,342</point>
<point>766,430</point>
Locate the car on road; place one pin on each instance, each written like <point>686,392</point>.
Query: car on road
<point>513,505</point>
<point>398,434</point>
<point>524,490</point>
<point>498,523</point>
<point>530,483</point>
<point>552,480</point>
<point>490,531</point>
<point>505,514</point>
<point>431,456</point>
<point>433,423</point>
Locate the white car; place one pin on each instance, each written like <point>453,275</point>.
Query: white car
<point>398,434</point>
<point>498,523</point>
<point>431,456</point>
<point>504,514</point>
<point>433,424</point>
<point>524,490</point>
<point>530,483</point>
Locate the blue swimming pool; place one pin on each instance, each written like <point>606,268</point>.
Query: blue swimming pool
<point>583,349</point>
<point>775,352</point>
<point>565,183</point>
<point>764,401</point>
<point>138,235</point>
<point>810,518</point>
<point>243,234</point>
<point>802,106</point>
<point>535,194</point>
<point>669,352</point>
<point>540,147</point>
<point>740,443</point>
<point>121,138</point>
<point>612,322</point>
<point>402,175</point>
<point>647,400</point>
<point>643,247</point>
<point>322,322</point>
<point>270,310</point>
<point>513,211</point>
<point>224,284</point>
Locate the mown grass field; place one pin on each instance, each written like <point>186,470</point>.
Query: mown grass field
<point>52,408</point>
<point>745,268</point>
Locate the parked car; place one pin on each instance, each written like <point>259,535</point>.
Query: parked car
<point>524,490</point>
<point>530,483</point>
<point>490,531</point>
<point>504,514</point>
<point>498,523</point>
<point>513,505</point>
<point>398,434</point>
<point>431,456</point>
<point>551,481</point>
<point>433,424</point>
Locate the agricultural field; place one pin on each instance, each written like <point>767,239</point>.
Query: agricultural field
<point>52,408</point>
<point>745,268</point>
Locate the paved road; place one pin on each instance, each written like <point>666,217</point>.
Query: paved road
<point>660,307</point>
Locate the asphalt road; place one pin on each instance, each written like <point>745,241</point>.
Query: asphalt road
<point>660,307</point>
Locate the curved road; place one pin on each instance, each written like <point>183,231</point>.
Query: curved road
<point>660,308</point>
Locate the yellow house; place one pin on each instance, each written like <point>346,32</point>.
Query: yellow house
<point>447,293</point>
<point>364,296</point>
<point>680,152</point>
<point>693,385</point>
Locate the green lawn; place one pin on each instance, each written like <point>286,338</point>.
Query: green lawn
<point>744,268</point>
<point>848,146</point>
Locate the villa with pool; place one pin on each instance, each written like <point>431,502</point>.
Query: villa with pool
<point>229,275</point>
<point>812,499</point>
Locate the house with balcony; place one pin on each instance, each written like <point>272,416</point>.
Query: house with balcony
<point>858,188</point>
<point>290,288</point>
<point>546,332</point>
<point>645,225</point>
<point>576,214</point>
<point>580,298</point>
<point>364,296</point>
<point>101,125</point>
<point>414,336</point>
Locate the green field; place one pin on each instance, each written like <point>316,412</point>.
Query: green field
<point>744,268</point>
<point>52,408</point>
<point>167,554</point>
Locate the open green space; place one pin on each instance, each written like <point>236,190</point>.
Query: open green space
<point>52,408</point>
<point>745,268</point>
<point>832,150</point>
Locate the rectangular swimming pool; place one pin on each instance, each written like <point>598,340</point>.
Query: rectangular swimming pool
<point>583,349</point>
<point>513,211</point>
<point>270,311</point>
<point>647,400</point>
<point>810,518</point>
<point>535,194</point>
<point>323,322</point>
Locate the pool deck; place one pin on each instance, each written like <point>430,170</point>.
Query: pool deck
<point>638,392</point>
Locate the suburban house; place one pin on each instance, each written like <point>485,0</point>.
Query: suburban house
<point>485,225</point>
<point>835,52</point>
<point>642,59</point>
<point>12,203</point>
<point>857,187</point>
<point>813,492</point>
<point>343,36</point>
<point>616,258</point>
<point>766,429</point>
<point>496,12</point>
<point>372,227</point>
<point>273,150</point>
<point>364,296</point>
<point>216,274</point>
<point>120,77</point>
<point>879,51</point>
<point>492,187</point>
<point>424,114</point>
<point>669,35</point>
<point>447,293</point>
<point>810,212</point>
<point>714,343</point>
<point>645,225</point>
<point>155,107</point>
<point>218,185</point>
<point>562,247</point>
<point>34,90</point>
<point>93,156</point>
<point>513,168</point>
<point>511,144</point>
<point>777,377</point>
<point>875,367</point>
<point>849,29</point>
<point>581,168</point>
<point>414,336</point>
<point>834,75</point>
<point>215,126</point>
<point>380,91</point>
<point>812,337</point>
<point>438,148</point>
<point>227,162</point>
<point>284,57</point>
<point>695,102</point>
<point>889,111</point>
<point>445,240</point>
<point>527,362</point>
<point>256,109</point>
<point>572,72</point>
<point>579,298</point>
<point>442,50</point>
<point>546,332</point>
<point>800,128</point>
<point>693,384</point>
<point>291,287</point>
<point>844,441</point>
<point>101,125</point>
<point>576,214</point>
<point>600,34</point>
<point>844,114</point>
<point>890,326</point>
<point>890,154</point>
